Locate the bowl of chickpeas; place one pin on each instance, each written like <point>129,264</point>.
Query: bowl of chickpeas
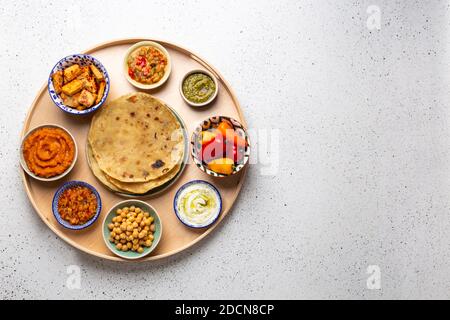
<point>132,229</point>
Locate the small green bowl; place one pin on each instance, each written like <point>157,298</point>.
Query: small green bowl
<point>131,255</point>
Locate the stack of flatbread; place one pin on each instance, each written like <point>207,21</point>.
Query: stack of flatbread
<point>135,144</point>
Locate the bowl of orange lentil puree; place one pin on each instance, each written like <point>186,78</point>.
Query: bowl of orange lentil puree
<point>76,205</point>
<point>48,152</point>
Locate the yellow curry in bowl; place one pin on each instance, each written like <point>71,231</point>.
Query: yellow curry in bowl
<point>147,65</point>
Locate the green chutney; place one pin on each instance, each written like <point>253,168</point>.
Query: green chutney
<point>198,87</point>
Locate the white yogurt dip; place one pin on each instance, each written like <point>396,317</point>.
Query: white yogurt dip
<point>198,204</point>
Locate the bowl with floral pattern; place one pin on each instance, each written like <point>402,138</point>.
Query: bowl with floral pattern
<point>92,81</point>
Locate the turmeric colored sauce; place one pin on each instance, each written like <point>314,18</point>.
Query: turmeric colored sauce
<point>77,205</point>
<point>48,152</point>
<point>146,65</point>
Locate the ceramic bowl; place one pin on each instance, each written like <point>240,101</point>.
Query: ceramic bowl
<point>83,60</point>
<point>166,71</point>
<point>211,99</point>
<point>112,213</point>
<point>185,221</point>
<point>58,194</point>
<point>209,124</point>
<point>25,166</point>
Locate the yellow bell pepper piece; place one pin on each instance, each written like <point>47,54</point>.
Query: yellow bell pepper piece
<point>223,166</point>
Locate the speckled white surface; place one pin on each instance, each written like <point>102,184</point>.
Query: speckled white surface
<point>364,177</point>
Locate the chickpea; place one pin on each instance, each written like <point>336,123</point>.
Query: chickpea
<point>132,229</point>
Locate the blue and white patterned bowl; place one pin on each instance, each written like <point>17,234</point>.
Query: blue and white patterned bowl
<point>58,194</point>
<point>83,60</point>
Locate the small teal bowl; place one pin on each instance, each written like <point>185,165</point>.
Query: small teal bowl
<point>58,194</point>
<point>83,60</point>
<point>131,255</point>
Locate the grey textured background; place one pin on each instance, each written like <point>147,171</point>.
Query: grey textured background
<point>364,175</point>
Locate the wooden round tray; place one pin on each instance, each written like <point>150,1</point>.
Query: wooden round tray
<point>176,236</point>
